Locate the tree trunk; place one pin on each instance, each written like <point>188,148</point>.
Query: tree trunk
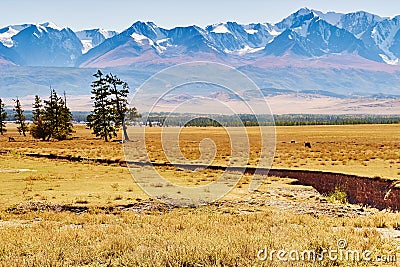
<point>126,137</point>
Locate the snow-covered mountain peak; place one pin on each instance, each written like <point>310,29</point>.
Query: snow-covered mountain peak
<point>358,22</point>
<point>39,28</point>
<point>106,34</point>
<point>94,37</point>
<point>51,25</point>
<point>303,29</point>
<point>142,26</point>
<point>305,33</point>
<point>303,11</point>
<point>38,45</point>
<point>296,19</point>
<point>148,29</point>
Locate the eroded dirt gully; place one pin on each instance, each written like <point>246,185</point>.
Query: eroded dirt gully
<point>380,193</point>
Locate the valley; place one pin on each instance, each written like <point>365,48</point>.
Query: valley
<point>321,173</point>
<point>96,211</point>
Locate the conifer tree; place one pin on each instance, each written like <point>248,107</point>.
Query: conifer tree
<point>110,109</point>
<point>20,118</point>
<point>52,114</point>
<point>65,127</point>
<point>53,120</point>
<point>40,128</point>
<point>119,93</point>
<point>3,117</point>
<point>102,119</point>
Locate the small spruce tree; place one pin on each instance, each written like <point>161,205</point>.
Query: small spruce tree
<point>20,118</point>
<point>65,127</point>
<point>40,128</point>
<point>3,117</point>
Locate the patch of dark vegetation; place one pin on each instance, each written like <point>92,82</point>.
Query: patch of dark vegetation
<point>45,206</point>
<point>149,206</point>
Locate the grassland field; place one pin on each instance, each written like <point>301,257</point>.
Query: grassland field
<point>60,213</point>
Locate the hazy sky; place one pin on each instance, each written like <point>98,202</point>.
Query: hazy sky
<point>120,14</point>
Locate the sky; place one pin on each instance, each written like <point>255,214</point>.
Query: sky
<point>120,14</point>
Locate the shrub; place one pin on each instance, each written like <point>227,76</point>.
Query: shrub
<point>338,196</point>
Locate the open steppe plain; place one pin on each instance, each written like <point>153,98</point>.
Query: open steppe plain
<point>61,213</point>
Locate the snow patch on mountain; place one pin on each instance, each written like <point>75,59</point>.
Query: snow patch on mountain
<point>221,28</point>
<point>5,36</point>
<point>245,50</point>
<point>388,60</point>
<point>8,32</point>
<point>38,45</point>
<point>141,39</point>
<point>40,28</point>
<point>87,45</point>
<point>251,31</point>
<point>248,49</point>
<point>163,41</point>
<point>274,32</point>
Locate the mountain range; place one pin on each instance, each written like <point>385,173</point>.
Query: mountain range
<point>305,33</point>
<point>332,55</point>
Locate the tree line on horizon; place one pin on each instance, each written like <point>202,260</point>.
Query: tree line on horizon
<point>247,120</point>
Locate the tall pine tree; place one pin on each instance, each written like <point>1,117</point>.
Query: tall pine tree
<point>102,118</point>
<point>3,117</point>
<point>52,113</point>
<point>40,128</point>
<point>110,109</point>
<point>119,93</point>
<point>20,118</point>
<point>65,127</point>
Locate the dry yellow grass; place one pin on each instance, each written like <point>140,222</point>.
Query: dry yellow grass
<point>64,182</point>
<point>83,144</point>
<point>370,150</point>
<point>227,233</point>
<point>206,236</point>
